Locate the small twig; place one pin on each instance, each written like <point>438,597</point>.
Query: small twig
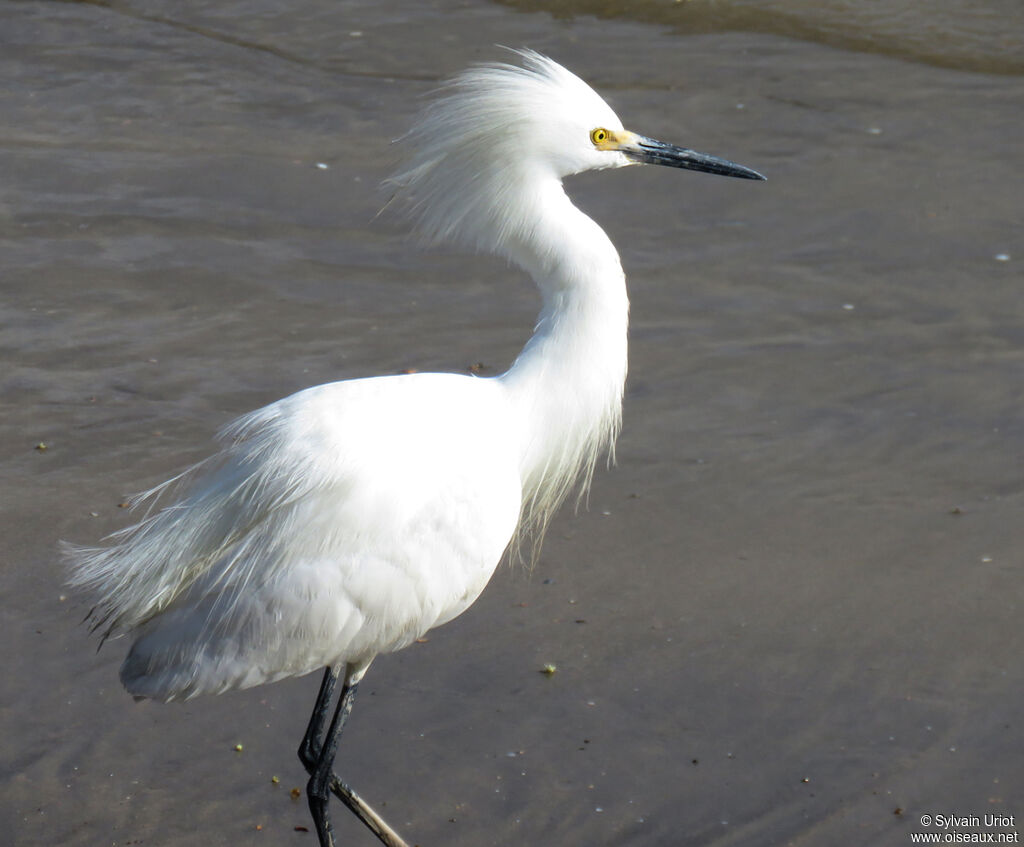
<point>374,822</point>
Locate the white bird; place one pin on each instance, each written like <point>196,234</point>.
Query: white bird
<point>347,520</point>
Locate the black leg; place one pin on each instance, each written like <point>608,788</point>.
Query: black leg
<point>318,789</point>
<point>309,749</point>
<point>317,752</point>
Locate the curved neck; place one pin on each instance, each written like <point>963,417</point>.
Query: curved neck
<point>567,383</point>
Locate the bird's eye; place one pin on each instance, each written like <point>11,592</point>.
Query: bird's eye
<point>599,135</point>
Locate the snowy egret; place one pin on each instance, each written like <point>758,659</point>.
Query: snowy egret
<point>348,519</point>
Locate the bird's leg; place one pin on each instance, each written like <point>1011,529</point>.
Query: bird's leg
<point>319,785</point>
<point>309,749</point>
<point>322,778</point>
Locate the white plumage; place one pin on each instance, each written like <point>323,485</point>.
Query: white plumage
<point>325,535</point>
<point>348,519</point>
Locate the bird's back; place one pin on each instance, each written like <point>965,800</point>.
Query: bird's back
<point>338,523</point>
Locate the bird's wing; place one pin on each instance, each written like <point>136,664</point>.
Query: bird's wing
<point>353,468</point>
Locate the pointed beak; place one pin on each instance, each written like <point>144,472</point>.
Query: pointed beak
<point>648,151</point>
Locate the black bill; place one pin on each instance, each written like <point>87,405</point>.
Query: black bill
<point>652,152</point>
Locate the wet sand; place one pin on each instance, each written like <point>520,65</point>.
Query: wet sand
<point>791,613</point>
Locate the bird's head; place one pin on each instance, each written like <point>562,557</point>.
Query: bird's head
<point>552,116</point>
<point>496,130</point>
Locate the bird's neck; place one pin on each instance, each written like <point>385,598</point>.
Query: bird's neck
<point>567,383</point>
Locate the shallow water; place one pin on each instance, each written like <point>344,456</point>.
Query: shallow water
<point>799,588</point>
<point>961,34</point>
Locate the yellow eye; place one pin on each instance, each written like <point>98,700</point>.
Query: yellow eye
<point>599,136</point>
